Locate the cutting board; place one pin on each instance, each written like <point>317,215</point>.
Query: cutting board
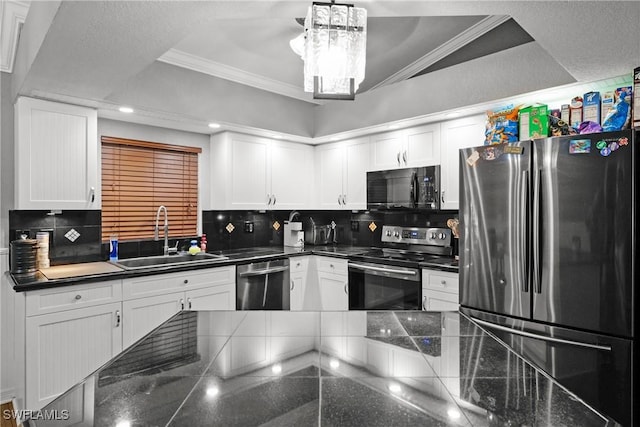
<point>76,270</point>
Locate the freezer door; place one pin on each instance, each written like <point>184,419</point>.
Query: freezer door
<point>597,368</point>
<point>494,225</point>
<point>583,197</point>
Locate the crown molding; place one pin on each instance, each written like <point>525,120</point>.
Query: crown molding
<point>467,36</point>
<point>12,16</point>
<point>196,63</point>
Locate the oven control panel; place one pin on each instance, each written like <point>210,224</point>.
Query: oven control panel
<point>416,235</point>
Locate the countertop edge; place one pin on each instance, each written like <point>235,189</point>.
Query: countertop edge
<point>124,274</point>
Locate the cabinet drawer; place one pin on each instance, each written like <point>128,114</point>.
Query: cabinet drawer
<point>298,264</point>
<point>138,287</point>
<point>332,265</point>
<point>440,281</point>
<point>439,301</point>
<point>72,297</point>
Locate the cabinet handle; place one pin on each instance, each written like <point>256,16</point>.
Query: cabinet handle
<point>268,199</point>
<point>404,156</point>
<point>182,303</point>
<point>274,199</point>
<point>117,318</point>
<point>293,285</point>
<point>78,297</point>
<point>443,282</point>
<point>331,265</point>
<point>442,197</point>
<point>424,300</point>
<point>339,201</point>
<point>346,288</point>
<point>297,264</point>
<point>344,199</point>
<point>398,158</point>
<point>92,194</point>
<point>185,281</point>
<point>189,303</point>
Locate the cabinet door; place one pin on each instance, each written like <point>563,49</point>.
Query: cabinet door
<point>56,156</point>
<point>214,298</point>
<point>386,150</point>
<point>62,348</point>
<point>330,165</point>
<point>355,175</point>
<point>296,293</point>
<point>250,184</point>
<point>291,175</point>
<point>422,146</point>
<point>333,291</point>
<point>141,316</point>
<point>439,301</point>
<point>457,134</point>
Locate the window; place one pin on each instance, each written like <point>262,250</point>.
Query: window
<point>138,177</point>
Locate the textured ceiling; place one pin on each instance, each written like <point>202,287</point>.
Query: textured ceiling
<point>184,64</point>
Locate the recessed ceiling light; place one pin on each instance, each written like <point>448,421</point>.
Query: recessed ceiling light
<point>395,388</point>
<point>214,125</point>
<point>126,110</point>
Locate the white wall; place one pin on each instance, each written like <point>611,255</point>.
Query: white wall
<point>169,136</point>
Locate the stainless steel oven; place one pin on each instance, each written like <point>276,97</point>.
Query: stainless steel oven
<point>375,286</point>
<point>263,285</point>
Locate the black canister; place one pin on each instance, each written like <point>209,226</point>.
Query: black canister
<point>23,255</point>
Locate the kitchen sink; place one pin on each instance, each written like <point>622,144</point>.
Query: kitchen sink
<point>169,260</point>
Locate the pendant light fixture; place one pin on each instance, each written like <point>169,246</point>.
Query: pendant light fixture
<point>333,48</point>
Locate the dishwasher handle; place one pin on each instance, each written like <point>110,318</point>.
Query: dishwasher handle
<point>263,271</point>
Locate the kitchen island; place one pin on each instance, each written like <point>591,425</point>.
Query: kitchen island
<point>402,368</point>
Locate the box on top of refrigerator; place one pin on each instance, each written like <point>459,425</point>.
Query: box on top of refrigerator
<point>591,107</point>
<point>635,107</point>
<point>534,122</point>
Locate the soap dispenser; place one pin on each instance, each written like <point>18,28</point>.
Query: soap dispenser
<point>194,249</point>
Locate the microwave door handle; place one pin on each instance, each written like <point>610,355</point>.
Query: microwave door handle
<point>416,189</point>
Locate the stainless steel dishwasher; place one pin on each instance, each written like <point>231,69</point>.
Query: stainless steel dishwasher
<point>263,285</point>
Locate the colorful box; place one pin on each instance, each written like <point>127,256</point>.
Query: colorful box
<point>636,97</point>
<point>534,122</point>
<point>591,107</point>
<point>564,113</point>
<point>575,112</point>
<point>606,104</point>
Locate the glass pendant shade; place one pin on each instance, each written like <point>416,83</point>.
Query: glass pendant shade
<point>334,50</point>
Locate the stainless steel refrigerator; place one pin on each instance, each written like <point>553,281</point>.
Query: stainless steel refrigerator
<point>548,258</point>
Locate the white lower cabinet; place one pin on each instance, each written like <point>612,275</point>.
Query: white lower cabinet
<point>298,270</point>
<point>333,284</point>
<point>439,290</point>
<point>64,347</point>
<point>150,300</point>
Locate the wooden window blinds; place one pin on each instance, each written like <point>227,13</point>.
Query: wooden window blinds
<point>138,177</point>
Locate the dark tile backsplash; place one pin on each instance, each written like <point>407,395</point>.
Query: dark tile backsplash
<point>65,245</point>
<point>249,229</point>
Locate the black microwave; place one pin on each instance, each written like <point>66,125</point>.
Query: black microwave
<point>410,188</point>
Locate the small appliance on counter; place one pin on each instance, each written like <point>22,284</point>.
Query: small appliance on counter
<point>293,234</point>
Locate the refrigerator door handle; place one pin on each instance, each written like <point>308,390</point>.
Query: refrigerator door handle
<point>537,198</point>
<point>540,337</point>
<point>527,232</point>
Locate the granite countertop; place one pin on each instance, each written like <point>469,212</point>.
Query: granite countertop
<point>352,368</point>
<point>106,271</point>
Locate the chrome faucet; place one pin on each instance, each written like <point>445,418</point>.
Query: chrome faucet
<point>166,229</point>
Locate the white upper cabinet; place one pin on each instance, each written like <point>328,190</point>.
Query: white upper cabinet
<point>342,174</point>
<point>457,134</point>
<point>56,155</point>
<point>416,146</point>
<point>250,172</point>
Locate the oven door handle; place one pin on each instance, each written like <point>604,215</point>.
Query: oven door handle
<point>383,269</point>
<point>263,271</point>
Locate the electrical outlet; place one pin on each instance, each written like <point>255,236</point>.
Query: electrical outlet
<point>248,226</point>
<point>19,234</point>
<point>355,225</point>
